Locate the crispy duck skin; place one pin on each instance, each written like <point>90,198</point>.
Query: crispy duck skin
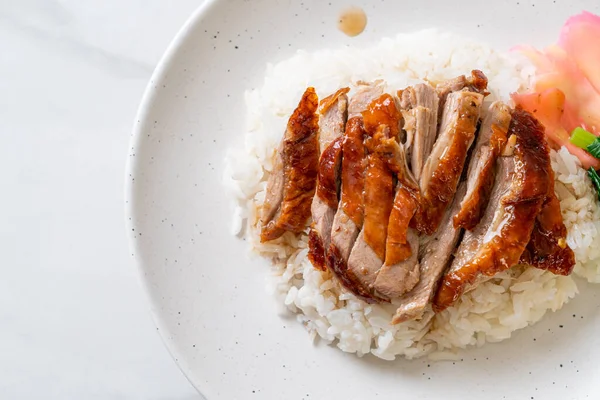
<point>514,215</point>
<point>404,208</point>
<point>299,154</point>
<point>481,173</point>
<point>332,124</point>
<point>353,170</point>
<point>381,121</point>
<point>548,248</point>
<point>378,198</point>
<point>354,156</point>
<point>325,204</point>
<point>316,251</point>
<point>351,163</point>
<point>406,200</point>
<point>478,82</point>
<point>400,271</point>
<point>444,166</point>
<point>329,173</point>
<point>348,219</point>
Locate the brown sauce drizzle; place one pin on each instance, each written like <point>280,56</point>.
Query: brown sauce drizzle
<point>352,21</point>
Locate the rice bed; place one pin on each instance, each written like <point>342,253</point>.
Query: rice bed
<point>512,300</point>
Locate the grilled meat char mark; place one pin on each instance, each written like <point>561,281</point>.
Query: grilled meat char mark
<point>419,105</point>
<point>292,183</point>
<point>382,121</point>
<point>348,219</point>
<point>332,124</point>
<point>482,166</point>
<point>499,240</point>
<point>444,166</point>
<point>434,256</point>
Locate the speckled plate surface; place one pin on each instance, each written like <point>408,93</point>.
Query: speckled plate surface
<point>208,299</point>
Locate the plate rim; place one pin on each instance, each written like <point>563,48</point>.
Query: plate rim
<point>132,198</point>
<point>140,125</point>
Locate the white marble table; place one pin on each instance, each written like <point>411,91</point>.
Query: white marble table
<point>74,322</point>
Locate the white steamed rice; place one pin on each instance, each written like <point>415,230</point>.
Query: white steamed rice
<point>513,300</point>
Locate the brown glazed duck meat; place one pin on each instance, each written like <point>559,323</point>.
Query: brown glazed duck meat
<point>419,106</point>
<point>482,167</point>
<point>523,181</point>
<point>434,255</point>
<point>382,122</point>
<point>444,166</point>
<point>400,271</point>
<point>548,248</point>
<point>403,210</point>
<point>477,83</point>
<point>332,124</point>
<point>348,219</point>
<point>292,182</point>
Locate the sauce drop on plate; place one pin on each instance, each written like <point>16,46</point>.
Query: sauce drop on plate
<point>352,21</point>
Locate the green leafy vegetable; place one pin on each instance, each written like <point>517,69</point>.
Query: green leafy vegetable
<point>586,140</point>
<point>582,138</point>
<point>594,148</point>
<point>595,180</point>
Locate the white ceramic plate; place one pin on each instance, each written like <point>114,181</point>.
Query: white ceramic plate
<point>208,299</point>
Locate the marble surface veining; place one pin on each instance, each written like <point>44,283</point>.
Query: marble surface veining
<point>74,320</point>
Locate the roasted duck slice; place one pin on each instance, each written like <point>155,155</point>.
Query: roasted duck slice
<point>292,182</point>
<point>548,248</point>
<point>482,167</point>
<point>400,271</point>
<point>498,241</point>
<point>444,166</point>
<point>348,219</point>
<point>396,278</point>
<point>332,124</point>
<point>419,105</point>
<point>477,83</point>
<point>382,121</point>
<point>435,255</point>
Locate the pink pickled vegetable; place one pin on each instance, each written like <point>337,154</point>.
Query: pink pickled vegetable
<point>566,90</point>
<point>579,38</point>
<point>548,107</point>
